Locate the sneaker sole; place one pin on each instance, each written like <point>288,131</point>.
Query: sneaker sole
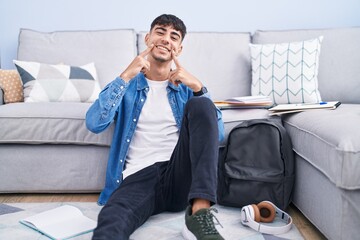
<point>187,234</point>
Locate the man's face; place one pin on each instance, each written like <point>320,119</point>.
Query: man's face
<point>165,40</point>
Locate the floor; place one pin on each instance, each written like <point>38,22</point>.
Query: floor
<point>305,227</point>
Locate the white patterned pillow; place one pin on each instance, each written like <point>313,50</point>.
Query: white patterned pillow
<point>287,72</point>
<point>58,83</point>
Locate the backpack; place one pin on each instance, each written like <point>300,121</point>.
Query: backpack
<point>256,163</point>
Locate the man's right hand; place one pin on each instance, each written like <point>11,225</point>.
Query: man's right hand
<point>139,64</point>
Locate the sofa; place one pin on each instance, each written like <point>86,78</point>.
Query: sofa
<point>45,146</point>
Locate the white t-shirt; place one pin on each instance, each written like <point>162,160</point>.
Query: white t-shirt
<point>156,133</point>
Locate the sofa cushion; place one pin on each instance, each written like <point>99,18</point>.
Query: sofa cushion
<point>58,83</point>
<point>286,72</point>
<point>12,86</point>
<point>54,123</point>
<point>203,56</point>
<point>339,71</point>
<point>329,140</point>
<point>110,50</point>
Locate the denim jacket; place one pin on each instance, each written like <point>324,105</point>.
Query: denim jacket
<point>121,102</point>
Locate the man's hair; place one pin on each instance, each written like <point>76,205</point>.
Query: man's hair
<point>170,20</point>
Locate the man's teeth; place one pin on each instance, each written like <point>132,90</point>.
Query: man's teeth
<point>163,48</point>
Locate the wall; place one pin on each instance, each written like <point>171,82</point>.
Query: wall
<point>199,15</point>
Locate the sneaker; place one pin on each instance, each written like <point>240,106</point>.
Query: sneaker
<point>200,226</point>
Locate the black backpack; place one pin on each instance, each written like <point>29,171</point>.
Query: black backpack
<point>256,163</point>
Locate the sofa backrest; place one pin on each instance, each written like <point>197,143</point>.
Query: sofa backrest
<point>110,50</point>
<point>339,63</point>
<point>221,61</point>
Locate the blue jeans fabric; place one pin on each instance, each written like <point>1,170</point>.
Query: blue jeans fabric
<point>168,186</point>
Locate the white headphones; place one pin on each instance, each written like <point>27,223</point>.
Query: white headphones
<point>252,215</point>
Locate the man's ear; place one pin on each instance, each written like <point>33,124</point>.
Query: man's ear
<point>147,39</point>
<point>179,50</point>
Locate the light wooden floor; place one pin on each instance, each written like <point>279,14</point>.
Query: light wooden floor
<point>308,231</point>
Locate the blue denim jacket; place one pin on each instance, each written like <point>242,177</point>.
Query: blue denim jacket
<point>122,102</point>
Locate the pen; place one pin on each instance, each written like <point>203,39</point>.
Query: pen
<point>320,103</point>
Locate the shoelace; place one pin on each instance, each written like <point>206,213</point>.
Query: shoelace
<point>207,223</point>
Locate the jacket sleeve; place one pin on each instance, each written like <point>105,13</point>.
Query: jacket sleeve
<point>103,111</point>
<point>221,127</point>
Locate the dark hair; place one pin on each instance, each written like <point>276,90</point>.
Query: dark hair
<point>170,20</point>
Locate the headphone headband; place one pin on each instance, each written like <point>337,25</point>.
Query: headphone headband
<point>247,219</point>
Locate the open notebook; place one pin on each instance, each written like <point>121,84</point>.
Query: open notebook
<point>60,223</point>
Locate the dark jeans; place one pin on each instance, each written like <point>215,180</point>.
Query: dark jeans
<point>167,186</point>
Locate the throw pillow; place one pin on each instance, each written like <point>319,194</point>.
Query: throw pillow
<point>58,83</point>
<point>286,72</point>
<point>11,85</point>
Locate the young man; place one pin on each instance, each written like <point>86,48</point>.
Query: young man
<point>164,152</point>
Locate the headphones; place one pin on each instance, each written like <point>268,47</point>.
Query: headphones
<point>266,211</point>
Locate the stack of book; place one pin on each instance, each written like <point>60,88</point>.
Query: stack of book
<point>245,102</point>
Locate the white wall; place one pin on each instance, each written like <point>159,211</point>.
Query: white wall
<point>198,15</point>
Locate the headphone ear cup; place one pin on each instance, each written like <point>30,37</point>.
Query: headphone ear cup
<point>256,216</point>
<point>266,212</point>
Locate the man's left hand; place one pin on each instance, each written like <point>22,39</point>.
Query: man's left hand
<point>180,75</point>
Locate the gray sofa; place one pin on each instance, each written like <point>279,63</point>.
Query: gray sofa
<point>45,147</point>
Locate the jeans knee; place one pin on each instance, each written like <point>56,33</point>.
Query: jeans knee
<point>200,106</point>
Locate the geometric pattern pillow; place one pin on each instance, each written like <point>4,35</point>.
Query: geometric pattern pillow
<point>286,72</point>
<point>12,86</point>
<point>58,83</point>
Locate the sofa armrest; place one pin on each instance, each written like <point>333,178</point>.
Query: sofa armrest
<point>1,96</point>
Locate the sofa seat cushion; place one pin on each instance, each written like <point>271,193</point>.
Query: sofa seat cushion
<point>330,141</point>
<point>49,123</point>
<point>234,115</point>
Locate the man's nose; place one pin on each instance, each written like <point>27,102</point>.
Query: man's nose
<point>165,39</point>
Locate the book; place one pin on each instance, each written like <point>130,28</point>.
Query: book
<point>245,102</point>
<point>60,223</point>
<point>299,107</point>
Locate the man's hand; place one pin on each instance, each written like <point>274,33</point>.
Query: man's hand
<point>139,64</point>
<point>180,75</point>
